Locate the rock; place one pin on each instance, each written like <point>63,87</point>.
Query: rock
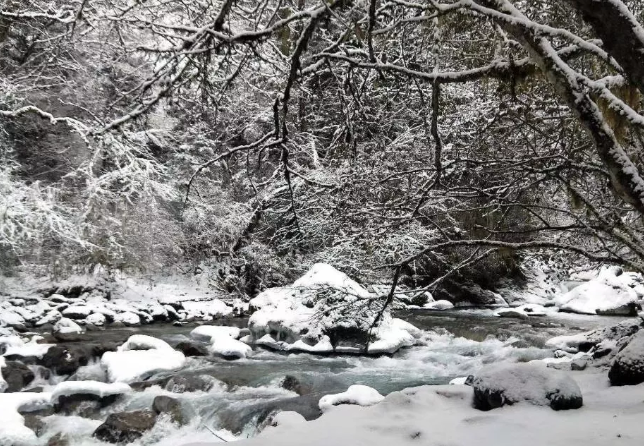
<point>60,439</point>
<point>578,364</point>
<point>64,361</point>
<point>498,385</point>
<point>17,375</point>
<point>78,312</point>
<point>96,319</point>
<point>628,309</point>
<point>125,427</point>
<point>167,405</point>
<point>292,383</point>
<point>439,305</point>
<point>66,330</point>
<point>191,349</point>
<point>628,365</point>
<point>192,383</point>
<point>86,405</point>
<point>35,423</point>
<point>513,314</point>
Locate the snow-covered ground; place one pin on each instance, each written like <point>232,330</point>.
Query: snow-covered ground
<point>442,415</point>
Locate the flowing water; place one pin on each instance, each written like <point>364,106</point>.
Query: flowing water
<point>456,343</point>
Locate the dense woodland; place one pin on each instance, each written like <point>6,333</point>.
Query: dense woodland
<point>433,141</point>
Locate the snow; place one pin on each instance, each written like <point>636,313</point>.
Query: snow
<point>97,388</point>
<point>606,292</point>
<point>67,326</point>
<point>16,346</point>
<point>223,340</point>
<point>443,415</point>
<point>139,357</point>
<point>229,348</point>
<point>533,383</point>
<point>302,317</point>
<point>287,418</point>
<point>97,319</point>
<point>51,317</point>
<point>356,394</point>
<point>13,432</point>
<point>128,318</point>
<point>207,333</point>
<point>526,310</point>
<point>439,305</point>
<point>206,309</point>
<point>77,311</point>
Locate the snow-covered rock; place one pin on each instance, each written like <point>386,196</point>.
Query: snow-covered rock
<point>13,431</point>
<point>523,311</point>
<point>501,384</point>
<point>67,330</point>
<point>324,311</point>
<point>99,389</point>
<point>628,365</point>
<point>439,305</point>
<point>97,319</point>
<point>608,337</point>
<point>50,317</point>
<point>139,357</point>
<point>206,310</point>
<point>206,333</point>
<point>356,394</point>
<point>77,311</point>
<point>128,318</point>
<point>606,294</point>
<point>287,419</point>
<point>223,340</point>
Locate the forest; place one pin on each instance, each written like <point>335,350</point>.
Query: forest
<point>342,179</point>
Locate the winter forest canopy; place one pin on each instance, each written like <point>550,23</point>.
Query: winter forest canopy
<point>430,141</point>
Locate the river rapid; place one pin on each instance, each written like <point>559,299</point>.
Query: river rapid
<point>455,343</point>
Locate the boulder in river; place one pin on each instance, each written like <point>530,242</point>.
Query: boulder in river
<point>17,375</point>
<point>192,383</point>
<point>163,404</point>
<point>191,348</point>
<point>628,365</point>
<point>125,427</point>
<point>498,385</point>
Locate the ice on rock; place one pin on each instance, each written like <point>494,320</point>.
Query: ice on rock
<point>325,311</point>
<point>356,394</point>
<point>139,357</point>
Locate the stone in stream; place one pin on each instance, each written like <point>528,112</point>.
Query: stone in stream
<point>17,375</point>
<point>191,348</point>
<point>192,383</point>
<point>628,365</point>
<point>59,439</point>
<point>292,383</point>
<point>125,427</point>
<point>35,423</point>
<point>167,405</point>
<point>85,405</point>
